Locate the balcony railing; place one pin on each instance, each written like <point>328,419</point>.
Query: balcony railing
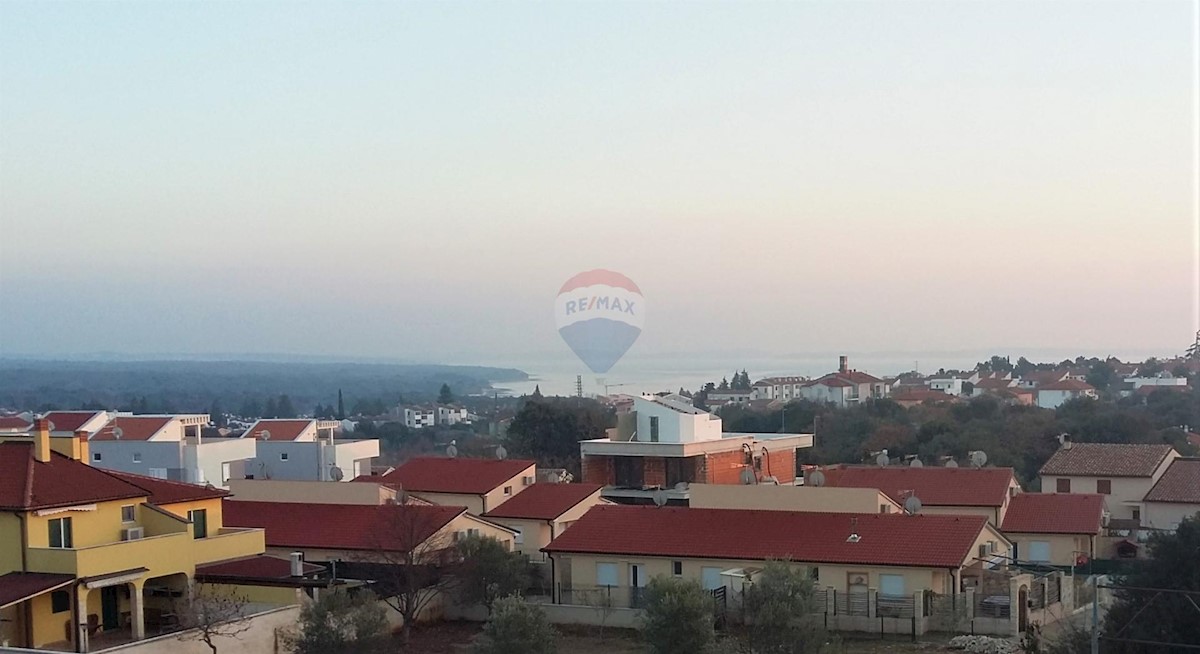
<point>230,543</point>
<point>166,554</point>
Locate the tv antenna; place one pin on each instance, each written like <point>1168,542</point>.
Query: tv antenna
<point>817,478</point>
<point>336,474</point>
<point>978,458</point>
<point>660,497</point>
<point>912,505</point>
<point>501,453</point>
<point>452,449</point>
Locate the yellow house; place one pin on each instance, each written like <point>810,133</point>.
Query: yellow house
<point>1054,529</point>
<point>618,549</point>
<point>87,553</point>
<point>543,512</point>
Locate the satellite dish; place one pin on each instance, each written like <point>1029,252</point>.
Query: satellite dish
<point>747,476</point>
<point>336,474</point>
<point>916,463</point>
<point>118,433</point>
<point>817,478</point>
<point>912,505</point>
<point>659,497</point>
<point>452,450</point>
<point>681,486</point>
<point>265,435</point>
<point>951,463</point>
<point>883,459</point>
<point>978,458</point>
<point>501,453</point>
<point>49,425</point>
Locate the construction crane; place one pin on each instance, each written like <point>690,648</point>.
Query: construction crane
<point>608,386</point>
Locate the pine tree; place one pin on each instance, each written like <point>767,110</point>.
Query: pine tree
<point>341,410</point>
<point>1193,351</point>
<point>724,385</point>
<point>285,408</point>
<point>270,410</point>
<point>445,396</point>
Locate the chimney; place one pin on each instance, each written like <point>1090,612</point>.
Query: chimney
<point>41,440</point>
<point>843,363</point>
<point>297,564</point>
<point>81,446</point>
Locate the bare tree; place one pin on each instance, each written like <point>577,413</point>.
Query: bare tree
<point>208,613</point>
<point>412,557</point>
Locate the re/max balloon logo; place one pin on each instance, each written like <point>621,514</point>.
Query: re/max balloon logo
<point>602,303</point>
<point>600,314</point>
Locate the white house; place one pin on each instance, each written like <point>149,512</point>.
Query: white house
<point>168,447</point>
<point>1175,496</point>
<point>416,417</point>
<point>306,450</point>
<point>452,415</point>
<point>1052,395</point>
<point>777,388</point>
<point>1123,473</point>
<point>1163,380</point>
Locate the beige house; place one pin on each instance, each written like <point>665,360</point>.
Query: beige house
<point>941,490</point>
<point>615,550</point>
<point>1123,473</point>
<point>769,497</point>
<point>1175,496</point>
<point>543,512</point>
<point>478,484</point>
<point>312,492</point>
<point>1054,529</point>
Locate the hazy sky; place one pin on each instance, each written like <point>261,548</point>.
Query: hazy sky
<point>418,179</point>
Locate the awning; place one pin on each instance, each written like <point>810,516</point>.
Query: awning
<point>114,578</point>
<point>19,586</point>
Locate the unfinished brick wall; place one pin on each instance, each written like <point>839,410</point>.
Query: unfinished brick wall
<point>783,465</point>
<point>654,471</point>
<point>598,470</point>
<point>725,467</point>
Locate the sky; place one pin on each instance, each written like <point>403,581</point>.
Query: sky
<point>416,180</point>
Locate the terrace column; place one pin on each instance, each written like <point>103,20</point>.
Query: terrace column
<point>137,613</point>
<point>81,618</point>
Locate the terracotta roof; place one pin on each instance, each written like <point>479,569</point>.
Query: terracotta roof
<point>934,486</point>
<point>26,483</point>
<point>543,501</point>
<point>1106,460</point>
<point>18,586</point>
<point>1148,389</point>
<point>922,395</point>
<point>1054,513</point>
<point>1066,385</point>
<point>1180,483</point>
<point>341,526</point>
<point>994,383</point>
<point>261,566</point>
<point>884,539</point>
<point>453,475</point>
<point>15,423</point>
<point>133,428</point>
<point>832,382</point>
<point>858,377</point>
<point>1039,377</point>
<point>69,420</point>
<point>164,491</point>
<point>281,430</point>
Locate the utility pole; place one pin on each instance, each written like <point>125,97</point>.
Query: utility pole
<point>1095,616</point>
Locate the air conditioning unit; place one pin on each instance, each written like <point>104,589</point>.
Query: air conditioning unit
<point>527,481</point>
<point>133,533</point>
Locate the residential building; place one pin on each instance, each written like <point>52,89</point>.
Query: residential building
<point>312,492</point>
<point>766,497</point>
<point>784,389</point>
<point>543,512</point>
<point>1036,378</point>
<point>307,450</point>
<point>66,424</point>
<point>15,424</point>
<point>912,397</point>
<point>1053,395</point>
<point>942,491</point>
<point>452,415</point>
<point>620,548</point>
<point>478,484</point>
<point>844,387</point>
<point>86,551</point>
<point>1054,529</point>
<point>168,447</point>
<point>732,396</point>
<point>1174,497</point>
<point>992,386</point>
<point>420,417</point>
<point>666,443</point>
<point>1122,473</point>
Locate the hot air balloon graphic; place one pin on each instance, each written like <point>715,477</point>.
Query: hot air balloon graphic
<point>600,314</point>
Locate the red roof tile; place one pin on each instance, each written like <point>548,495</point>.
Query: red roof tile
<point>164,491</point>
<point>993,383</point>
<point>69,420</point>
<point>1148,389</point>
<point>941,541</point>
<point>1106,460</point>
<point>544,501</point>
<point>452,475</point>
<point>1066,385</point>
<point>858,377</point>
<point>1179,484</point>
<point>281,430</point>
<point>1054,513</point>
<point>133,428</point>
<point>262,566</point>
<point>1039,377</point>
<point>15,423</point>
<point>934,486</point>
<point>341,526</point>
<point>922,395</point>
<point>26,483</point>
<point>17,586</point>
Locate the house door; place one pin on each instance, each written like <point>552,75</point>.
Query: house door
<point>110,607</point>
<point>637,584</point>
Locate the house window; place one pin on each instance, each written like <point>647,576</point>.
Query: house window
<point>606,574</point>
<point>519,537</point>
<point>507,491</point>
<point>199,518</point>
<point>892,585</point>
<point>96,456</point>
<point>885,508</point>
<point>1137,515</point>
<point>653,429</point>
<point>158,473</point>
<point>677,568</point>
<point>127,514</point>
<point>137,457</point>
<point>226,473</point>
<point>283,456</point>
<point>1039,551</point>
<point>710,578</point>
<point>1104,486</point>
<point>60,601</point>
<point>60,533</point>
<point>1063,486</point>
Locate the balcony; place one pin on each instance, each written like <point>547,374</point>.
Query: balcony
<point>230,543</point>
<point>161,555</point>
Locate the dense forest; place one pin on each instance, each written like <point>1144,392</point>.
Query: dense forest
<point>194,386</point>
